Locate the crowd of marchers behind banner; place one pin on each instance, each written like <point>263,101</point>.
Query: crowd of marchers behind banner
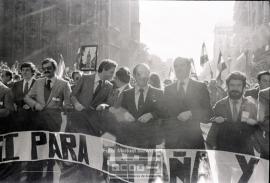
<point>147,112</point>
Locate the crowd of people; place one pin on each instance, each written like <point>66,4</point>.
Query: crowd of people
<point>140,110</point>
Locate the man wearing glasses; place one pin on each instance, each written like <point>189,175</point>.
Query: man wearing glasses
<point>49,92</point>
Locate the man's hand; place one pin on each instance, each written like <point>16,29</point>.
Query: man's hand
<point>251,121</point>
<point>145,118</point>
<point>219,119</point>
<point>78,107</point>
<point>38,107</point>
<point>121,114</point>
<point>102,107</point>
<point>184,116</point>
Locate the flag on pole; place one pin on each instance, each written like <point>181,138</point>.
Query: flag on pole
<point>204,55</point>
<point>193,72</point>
<point>221,65</point>
<point>61,67</point>
<point>171,75</point>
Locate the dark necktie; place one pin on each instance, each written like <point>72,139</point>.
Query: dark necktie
<point>141,100</point>
<point>47,90</point>
<point>234,113</point>
<point>181,89</point>
<point>25,90</point>
<point>98,88</point>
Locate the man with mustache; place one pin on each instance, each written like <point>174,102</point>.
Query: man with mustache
<point>234,118</point>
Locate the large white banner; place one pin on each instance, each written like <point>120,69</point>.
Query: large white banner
<point>133,164</point>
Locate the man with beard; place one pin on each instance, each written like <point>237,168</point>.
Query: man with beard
<point>234,118</point>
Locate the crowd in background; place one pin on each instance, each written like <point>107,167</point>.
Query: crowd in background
<point>148,112</point>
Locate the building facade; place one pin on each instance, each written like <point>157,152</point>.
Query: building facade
<point>252,35</point>
<point>35,29</point>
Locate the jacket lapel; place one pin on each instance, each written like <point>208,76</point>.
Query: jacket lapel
<point>228,109</point>
<point>54,88</point>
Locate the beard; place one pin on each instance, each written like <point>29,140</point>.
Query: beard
<point>235,95</point>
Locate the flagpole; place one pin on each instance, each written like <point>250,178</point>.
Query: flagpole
<point>194,67</point>
<point>211,71</point>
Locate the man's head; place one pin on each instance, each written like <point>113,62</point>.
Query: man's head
<point>141,73</point>
<point>6,76</point>
<point>236,83</point>
<point>28,70</point>
<point>49,67</point>
<point>76,76</point>
<point>264,79</point>
<point>106,69</point>
<point>212,83</point>
<point>122,76</point>
<point>182,67</point>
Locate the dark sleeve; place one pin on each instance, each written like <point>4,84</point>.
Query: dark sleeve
<point>158,109</point>
<point>8,104</point>
<point>211,139</point>
<point>203,112</point>
<point>124,100</point>
<point>163,106</point>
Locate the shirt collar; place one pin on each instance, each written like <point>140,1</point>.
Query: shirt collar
<point>97,78</point>
<point>123,87</point>
<point>239,101</point>
<point>137,88</point>
<point>186,81</point>
<point>53,79</point>
<point>29,81</point>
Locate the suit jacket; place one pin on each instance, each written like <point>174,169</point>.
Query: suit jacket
<point>151,104</point>
<point>188,134</point>
<point>84,90</point>
<point>137,134</point>
<point>18,94</point>
<point>60,94</point>
<point>233,136</point>
<point>115,98</point>
<point>6,102</point>
<point>253,93</point>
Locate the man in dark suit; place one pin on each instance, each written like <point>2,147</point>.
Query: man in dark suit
<point>7,78</point>
<point>122,79</point>
<point>93,90</point>
<point>143,103</point>
<point>187,104</point>
<point>234,118</point>
<point>6,104</point>
<point>263,78</point>
<point>22,87</point>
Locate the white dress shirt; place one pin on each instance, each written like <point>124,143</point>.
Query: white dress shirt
<point>29,83</point>
<point>53,79</point>
<point>185,85</point>
<point>96,82</point>
<point>137,94</point>
<point>238,105</point>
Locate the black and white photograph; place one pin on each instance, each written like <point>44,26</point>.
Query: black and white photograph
<point>134,91</point>
<point>88,61</point>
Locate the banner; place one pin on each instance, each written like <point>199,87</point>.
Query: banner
<point>132,164</point>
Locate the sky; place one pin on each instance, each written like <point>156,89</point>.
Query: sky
<point>178,28</point>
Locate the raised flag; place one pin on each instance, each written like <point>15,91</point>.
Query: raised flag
<point>204,56</point>
<point>221,65</point>
<point>61,67</point>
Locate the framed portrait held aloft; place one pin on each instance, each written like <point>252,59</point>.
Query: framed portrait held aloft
<point>88,58</point>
